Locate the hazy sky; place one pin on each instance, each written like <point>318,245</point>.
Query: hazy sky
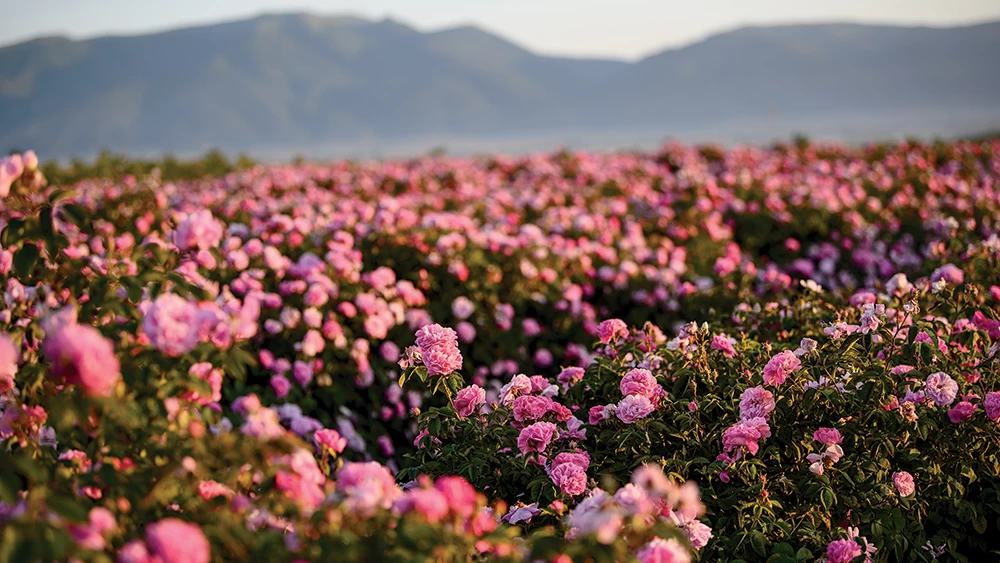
<point>619,28</point>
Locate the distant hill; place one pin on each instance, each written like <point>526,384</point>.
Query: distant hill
<point>279,84</point>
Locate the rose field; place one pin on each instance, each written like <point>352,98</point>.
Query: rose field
<point>692,354</point>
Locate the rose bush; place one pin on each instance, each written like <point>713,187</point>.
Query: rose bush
<point>292,361</point>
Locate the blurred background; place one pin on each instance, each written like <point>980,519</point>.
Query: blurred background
<point>364,78</point>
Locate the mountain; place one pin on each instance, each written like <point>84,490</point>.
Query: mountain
<point>278,84</point>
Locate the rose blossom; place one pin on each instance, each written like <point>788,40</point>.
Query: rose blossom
<point>842,551</point>
<point>612,329</point>
<point>663,551</point>
<point>992,405</point>
<point>439,349</point>
<point>941,388</point>
<point>779,366</point>
<point>903,482</point>
<point>536,437</point>
<point>81,355</point>
<point>756,402</point>
<point>468,399</point>
<point>176,541</point>
<point>639,382</point>
<point>531,407</point>
<point>633,408</point>
<point>171,324</point>
<point>828,436</point>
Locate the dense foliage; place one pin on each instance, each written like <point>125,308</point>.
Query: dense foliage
<point>745,354</point>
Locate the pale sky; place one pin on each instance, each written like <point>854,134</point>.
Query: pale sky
<point>609,28</point>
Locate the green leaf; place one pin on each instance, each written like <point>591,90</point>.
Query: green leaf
<point>827,499</point>
<point>758,543</point>
<point>59,195</point>
<point>12,233</point>
<point>25,260</point>
<point>75,214</point>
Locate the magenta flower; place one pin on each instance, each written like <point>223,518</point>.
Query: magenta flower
<point>941,388</point>
<point>330,439</point>
<point>663,551</point>
<point>949,273</point>
<point>842,551</point>
<point>724,344</point>
<point>430,504</point>
<point>9,358</point>
<point>531,407</point>
<point>570,376</point>
<point>961,412</point>
<point>569,477</point>
<point>81,355</point>
<point>745,434</point>
<point>779,366</point>
<point>198,230</point>
<point>468,399</point>
<point>172,324</point>
<point>639,382</point>
<point>536,437</point>
<point>992,405</point>
<point>176,541</point>
<point>633,408</point>
<point>459,494</point>
<point>828,436</point>
<point>612,329</point>
<point>756,402</point>
<point>903,482</point>
<point>439,349</point>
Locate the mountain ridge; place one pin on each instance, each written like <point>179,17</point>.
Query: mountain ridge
<point>299,80</point>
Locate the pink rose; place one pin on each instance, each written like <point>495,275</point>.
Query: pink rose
<point>904,483</point>
<point>828,436</point>
<point>468,399</point>
<point>961,412</point>
<point>81,355</point>
<point>536,437</point>
<point>612,329</point>
<point>663,551</point>
<point>439,349</point>
<point>639,382</point>
<point>633,408</point>
<point>328,438</point>
<point>176,541</point>
<point>756,402</point>
<point>531,407</point>
<point>842,551</point>
<point>779,366</point>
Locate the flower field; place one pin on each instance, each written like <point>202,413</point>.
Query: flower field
<point>694,354</point>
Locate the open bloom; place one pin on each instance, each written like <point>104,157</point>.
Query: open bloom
<point>177,541</point>
<point>612,329</point>
<point>779,366</point>
<point>639,382</point>
<point>171,324</point>
<point>198,230</point>
<point>439,349</point>
<point>633,408</point>
<point>663,551</point>
<point>941,388</point>
<point>903,482</point>
<point>536,437</point>
<point>842,551</point>
<point>81,355</point>
<point>756,402</point>
<point>468,399</point>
